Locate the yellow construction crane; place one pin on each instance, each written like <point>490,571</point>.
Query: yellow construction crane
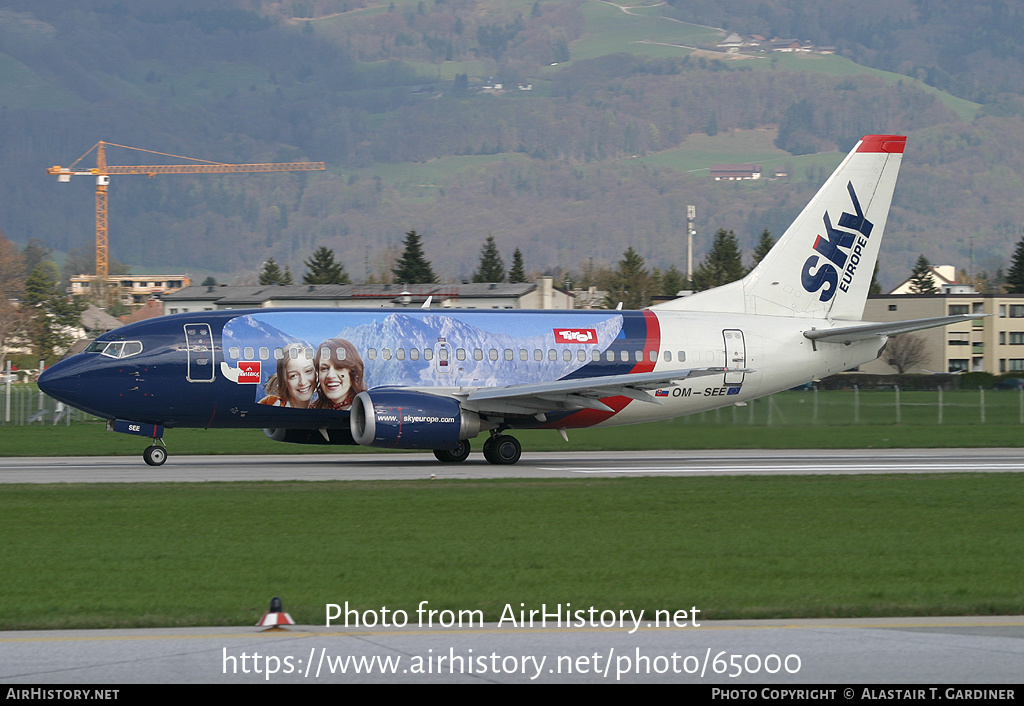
<point>103,171</point>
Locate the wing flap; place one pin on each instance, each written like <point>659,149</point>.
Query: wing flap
<point>579,393</point>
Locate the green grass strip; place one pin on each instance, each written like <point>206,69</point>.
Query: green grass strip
<point>91,556</point>
<point>91,439</point>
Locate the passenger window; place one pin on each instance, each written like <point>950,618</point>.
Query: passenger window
<point>653,355</point>
<point>428,354</point>
<point>682,356</point>
<point>400,354</point>
<point>371,353</point>
<point>610,356</point>
<point>460,353</point>
<point>624,356</point>
<point>668,356</point>
<point>595,355</point>
<point>538,354</point>
<point>386,354</point>
<point>478,354</point>
<point>339,354</point>
<point>639,355</point>
<point>552,354</point>
<point>233,351</point>
<point>249,353</point>
<point>508,354</point>
<point>264,353</point>
<point>278,353</point>
<point>524,354</point>
<point>566,355</point>
<point>414,354</point>
<point>581,355</point>
<point>493,354</point>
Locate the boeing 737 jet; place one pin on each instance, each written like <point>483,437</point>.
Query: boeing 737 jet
<point>434,379</point>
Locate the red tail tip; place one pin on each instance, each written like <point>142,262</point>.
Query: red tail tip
<point>892,144</point>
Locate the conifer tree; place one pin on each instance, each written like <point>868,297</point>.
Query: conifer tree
<point>322,268</point>
<point>271,273</point>
<point>723,263</point>
<point>631,284</point>
<point>412,267</point>
<point>921,280</point>
<point>492,267</point>
<point>763,246</point>
<point>518,272</point>
<point>874,287</point>
<point>672,281</point>
<point>1015,275</point>
<point>51,313</point>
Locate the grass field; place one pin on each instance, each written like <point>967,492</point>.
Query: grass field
<point>755,547</point>
<point>119,555</point>
<point>700,152</point>
<point>845,418</point>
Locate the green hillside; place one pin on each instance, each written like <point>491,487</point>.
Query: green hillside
<point>602,130</point>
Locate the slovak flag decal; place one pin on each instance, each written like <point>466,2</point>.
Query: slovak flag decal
<point>661,393</point>
<point>248,372</point>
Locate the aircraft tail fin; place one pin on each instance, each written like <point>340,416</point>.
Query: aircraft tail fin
<point>821,267</point>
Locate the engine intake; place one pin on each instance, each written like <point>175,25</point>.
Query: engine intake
<point>402,419</point>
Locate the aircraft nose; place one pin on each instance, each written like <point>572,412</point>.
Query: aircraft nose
<point>61,381</point>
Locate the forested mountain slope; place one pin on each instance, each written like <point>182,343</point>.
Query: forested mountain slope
<point>571,159</point>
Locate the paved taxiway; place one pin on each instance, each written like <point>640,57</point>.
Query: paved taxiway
<point>967,650</point>
<point>410,466</point>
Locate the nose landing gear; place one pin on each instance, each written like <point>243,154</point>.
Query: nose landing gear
<point>156,454</point>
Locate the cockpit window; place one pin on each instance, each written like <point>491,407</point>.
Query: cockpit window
<point>118,349</point>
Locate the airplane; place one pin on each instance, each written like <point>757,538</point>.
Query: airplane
<point>434,379</point>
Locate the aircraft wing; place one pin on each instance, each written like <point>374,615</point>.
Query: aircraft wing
<point>579,393</point>
<point>848,334</point>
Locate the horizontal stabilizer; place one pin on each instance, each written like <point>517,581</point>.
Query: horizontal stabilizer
<point>849,334</point>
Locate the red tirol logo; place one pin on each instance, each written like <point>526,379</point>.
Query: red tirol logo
<point>248,372</point>
<point>575,335</point>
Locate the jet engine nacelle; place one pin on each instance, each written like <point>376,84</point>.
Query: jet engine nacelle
<point>340,437</point>
<point>400,419</point>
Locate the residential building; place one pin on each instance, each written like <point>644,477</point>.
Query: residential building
<point>132,289</point>
<point>735,172</point>
<point>944,277</point>
<point>992,343</point>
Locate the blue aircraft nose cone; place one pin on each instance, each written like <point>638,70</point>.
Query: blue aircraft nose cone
<point>61,382</point>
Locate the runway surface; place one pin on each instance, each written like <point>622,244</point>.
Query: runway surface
<point>920,651</point>
<point>409,466</point>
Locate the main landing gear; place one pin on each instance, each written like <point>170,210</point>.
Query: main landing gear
<point>502,450</point>
<point>499,449</point>
<point>156,454</point>
<point>457,455</point>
